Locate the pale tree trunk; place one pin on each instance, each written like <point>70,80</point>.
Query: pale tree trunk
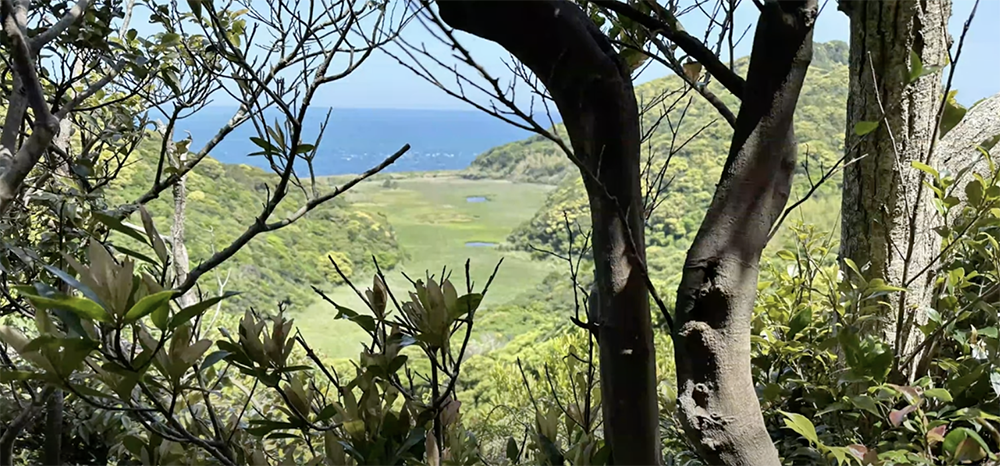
<point>717,402</point>
<point>957,149</point>
<point>887,214</point>
<point>181,262</point>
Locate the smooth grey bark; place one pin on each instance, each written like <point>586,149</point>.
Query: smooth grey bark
<point>716,398</point>
<point>593,92</point>
<point>887,214</point>
<point>182,264</point>
<point>957,148</point>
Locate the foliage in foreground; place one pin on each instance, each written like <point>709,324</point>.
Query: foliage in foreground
<point>832,393</point>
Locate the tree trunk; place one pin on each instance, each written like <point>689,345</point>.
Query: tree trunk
<point>53,429</point>
<point>716,397</point>
<point>180,255</point>
<point>888,214</point>
<point>593,92</point>
<point>21,423</point>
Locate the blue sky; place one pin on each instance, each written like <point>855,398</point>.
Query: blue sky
<point>382,83</point>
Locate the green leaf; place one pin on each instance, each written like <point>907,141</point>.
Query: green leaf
<point>799,321</point>
<point>841,454</point>
<point>8,375</point>
<point>916,66</point>
<point>134,445</point>
<point>73,282</point>
<point>974,192</point>
<point>193,310</point>
<point>305,148</point>
<point>195,6</point>
<point>551,452</point>
<point>786,255</point>
<point>602,455</point>
<point>862,128</point>
<point>147,220</point>
<point>966,445</point>
<point>160,316</point>
<point>116,225</point>
<point>416,437</point>
<point>74,351</point>
<point>148,304</point>
<point>365,321</point>
<point>880,365</point>
<point>344,312</point>
<point>953,114</point>
<point>512,451</point>
<point>169,39</point>
<point>466,304</point>
<point>938,394</point>
<point>213,358</point>
<point>137,255</point>
<point>925,168</point>
<point>82,307</point>
<point>866,403</point>
<point>264,144</point>
<point>802,425</point>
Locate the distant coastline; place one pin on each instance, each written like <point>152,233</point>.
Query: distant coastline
<point>357,139</point>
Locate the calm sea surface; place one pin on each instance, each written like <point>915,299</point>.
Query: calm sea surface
<point>357,139</point>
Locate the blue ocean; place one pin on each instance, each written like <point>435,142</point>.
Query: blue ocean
<point>358,139</point>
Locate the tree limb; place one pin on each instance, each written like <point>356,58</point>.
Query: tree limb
<point>19,424</point>
<point>592,88</point>
<point>694,47</point>
<point>41,40</point>
<point>261,225</point>
<point>23,63</point>
<point>716,400</point>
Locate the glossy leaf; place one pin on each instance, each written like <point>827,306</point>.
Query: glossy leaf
<point>802,425</point>
<point>148,304</point>
<point>82,307</point>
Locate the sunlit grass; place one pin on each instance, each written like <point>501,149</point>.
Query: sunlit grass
<point>433,222</point>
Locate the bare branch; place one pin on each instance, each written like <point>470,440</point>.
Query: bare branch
<point>71,16</point>
<point>694,47</point>
<point>261,225</point>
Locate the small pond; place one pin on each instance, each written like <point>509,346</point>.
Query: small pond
<point>479,244</point>
<point>476,199</point>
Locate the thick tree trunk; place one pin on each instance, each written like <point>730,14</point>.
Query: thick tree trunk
<point>888,214</point>
<point>716,396</point>
<point>593,92</point>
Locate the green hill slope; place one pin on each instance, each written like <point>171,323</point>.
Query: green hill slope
<point>694,169</point>
<point>538,160</point>
<point>223,199</point>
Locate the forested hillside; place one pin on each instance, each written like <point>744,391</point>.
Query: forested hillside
<point>223,199</point>
<point>695,166</point>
